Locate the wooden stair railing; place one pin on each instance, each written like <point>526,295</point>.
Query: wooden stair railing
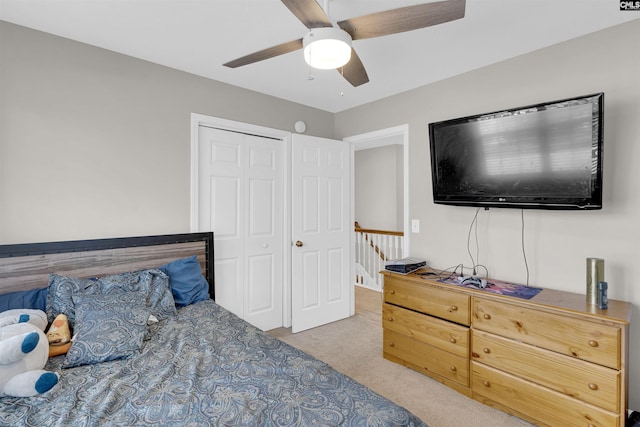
<point>367,231</point>
<point>373,262</point>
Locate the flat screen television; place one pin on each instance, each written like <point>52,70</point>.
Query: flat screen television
<point>544,156</point>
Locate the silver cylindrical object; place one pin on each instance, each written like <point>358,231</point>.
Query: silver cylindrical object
<point>595,275</point>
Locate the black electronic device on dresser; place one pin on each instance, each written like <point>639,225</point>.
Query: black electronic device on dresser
<point>405,265</point>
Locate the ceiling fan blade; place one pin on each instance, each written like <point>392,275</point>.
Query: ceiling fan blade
<point>261,55</point>
<point>309,13</point>
<point>354,71</point>
<point>403,19</point>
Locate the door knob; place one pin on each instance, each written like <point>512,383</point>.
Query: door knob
<point>299,243</point>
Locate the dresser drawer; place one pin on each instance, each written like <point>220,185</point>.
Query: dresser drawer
<point>585,381</point>
<point>429,359</point>
<point>578,338</point>
<point>535,401</point>
<point>437,302</point>
<point>439,333</point>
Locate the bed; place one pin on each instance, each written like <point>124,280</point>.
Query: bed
<point>199,366</point>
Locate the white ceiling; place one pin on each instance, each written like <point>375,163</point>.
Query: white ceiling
<point>198,36</point>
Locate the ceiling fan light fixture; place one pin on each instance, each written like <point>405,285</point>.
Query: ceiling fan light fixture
<point>327,48</point>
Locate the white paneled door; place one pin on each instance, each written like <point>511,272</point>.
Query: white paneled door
<point>240,192</point>
<point>321,289</point>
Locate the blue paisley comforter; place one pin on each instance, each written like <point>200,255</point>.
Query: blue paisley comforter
<point>206,367</point>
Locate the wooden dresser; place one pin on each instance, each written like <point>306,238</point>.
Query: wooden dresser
<point>551,360</point>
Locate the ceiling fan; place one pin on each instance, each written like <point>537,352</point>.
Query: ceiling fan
<point>341,34</point>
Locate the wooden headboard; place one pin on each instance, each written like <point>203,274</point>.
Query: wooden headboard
<point>27,266</point>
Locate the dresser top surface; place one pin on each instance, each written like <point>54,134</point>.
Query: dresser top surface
<point>617,311</point>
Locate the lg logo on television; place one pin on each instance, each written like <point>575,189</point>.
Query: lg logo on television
<point>629,5</point>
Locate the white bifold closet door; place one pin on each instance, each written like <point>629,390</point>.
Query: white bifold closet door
<point>240,190</point>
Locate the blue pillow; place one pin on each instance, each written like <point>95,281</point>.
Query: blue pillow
<point>60,290</point>
<point>35,299</point>
<point>108,327</point>
<point>188,285</point>
<point>153,283</point>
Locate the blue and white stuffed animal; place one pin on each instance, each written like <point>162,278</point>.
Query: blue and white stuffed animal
<point>24,350</point>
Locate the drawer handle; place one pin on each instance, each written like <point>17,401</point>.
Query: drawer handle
<point>390,319</point>
<point>454,308</point>
<point>453,369</point>
<point>487,316</point>
<point>593,386</point>
<point>391,344</point>
<point>392,291</point>
<point>452,340</point>
<point>486,383</point>
<point>593,343</point>
<point>486,350</point>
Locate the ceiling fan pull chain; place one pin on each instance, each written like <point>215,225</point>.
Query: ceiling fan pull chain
<point>310,76</point>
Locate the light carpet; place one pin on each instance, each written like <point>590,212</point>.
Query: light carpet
<point>353,346</point>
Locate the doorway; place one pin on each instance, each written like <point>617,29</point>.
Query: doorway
<point>386,138</point>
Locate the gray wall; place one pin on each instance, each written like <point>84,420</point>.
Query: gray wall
<point>97,144</point>
<point>378,177</point>
<point>557,243</point>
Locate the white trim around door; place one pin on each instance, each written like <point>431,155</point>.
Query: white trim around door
<point>381,138</point>
<point>198,120</point>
